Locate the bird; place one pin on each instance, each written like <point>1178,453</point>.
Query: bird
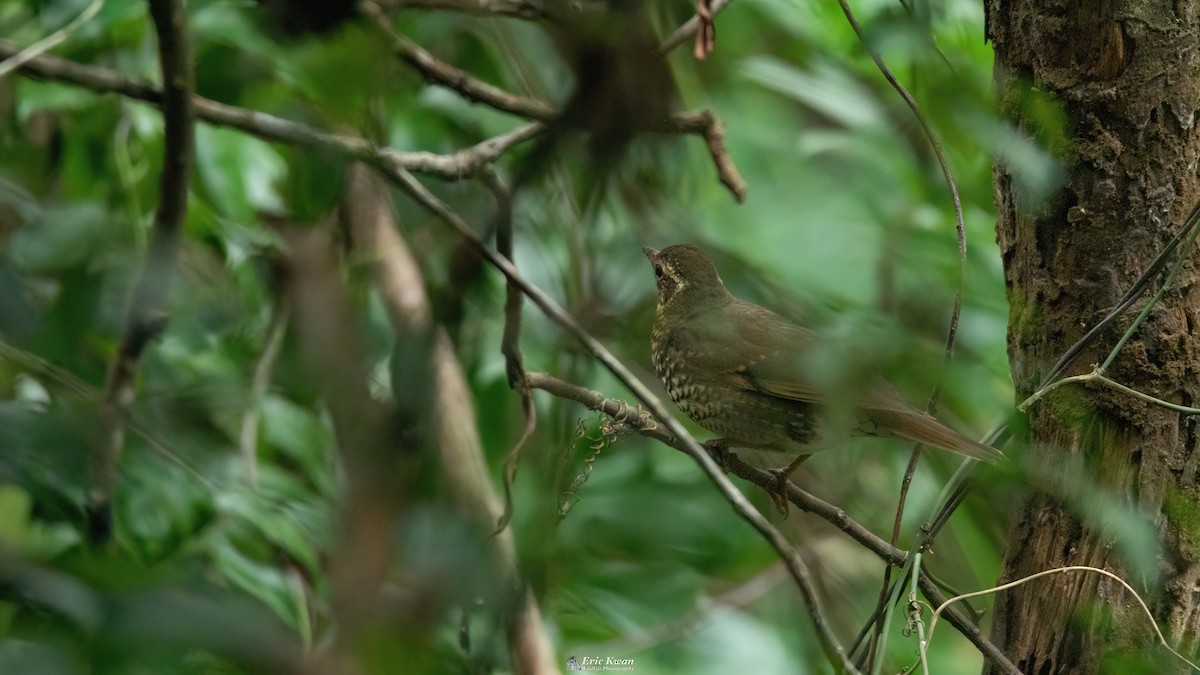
<point>744,372</point>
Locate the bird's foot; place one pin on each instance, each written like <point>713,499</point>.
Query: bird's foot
<point>718,449</point>
<point>780,494</point>
<point>782,481</point>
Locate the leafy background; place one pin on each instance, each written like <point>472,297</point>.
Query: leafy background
<point>848,227</point>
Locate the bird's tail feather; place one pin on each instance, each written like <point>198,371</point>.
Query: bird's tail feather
<point>922,428</point>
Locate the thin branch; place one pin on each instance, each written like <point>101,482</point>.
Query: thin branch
<point>468,86</point>
<point>510,341</point>
<point>50,41</point>
<point>708,126</point>
<point>556,313</point>
<point>462,164</point>
<point>466,163</point>
<point>925,127</point>
<point>147,316</point>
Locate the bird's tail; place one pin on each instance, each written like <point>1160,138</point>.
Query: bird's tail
<point>914,425</point>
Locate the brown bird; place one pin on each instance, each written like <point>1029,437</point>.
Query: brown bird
<point>743,372</point>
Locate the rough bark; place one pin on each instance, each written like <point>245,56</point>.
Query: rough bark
<point>1125,76</point>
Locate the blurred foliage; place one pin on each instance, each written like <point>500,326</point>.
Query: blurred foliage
<point>848,226</point>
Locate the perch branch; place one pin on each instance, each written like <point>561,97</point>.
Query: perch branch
<point>646,425</point>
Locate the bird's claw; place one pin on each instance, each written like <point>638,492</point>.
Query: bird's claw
<point>718,449</point>
<point>780,494</point>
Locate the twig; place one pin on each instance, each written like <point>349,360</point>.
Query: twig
<point>147,316</point>
<point>925,127</point>
<point>510,341</point>
<point>466,85</point>
<point>708,126</point>
<point>50,41</point>
<point>689,28</point>
<point>556,313</point>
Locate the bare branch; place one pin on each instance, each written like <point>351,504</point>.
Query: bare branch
<point>147,316</point>
<point>462,164</point>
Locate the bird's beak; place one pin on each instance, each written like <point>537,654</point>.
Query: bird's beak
<point>651,253</point>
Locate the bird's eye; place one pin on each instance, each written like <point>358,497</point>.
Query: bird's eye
<point>658,271</point>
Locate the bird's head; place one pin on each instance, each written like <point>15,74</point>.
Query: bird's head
<point>685,276</point>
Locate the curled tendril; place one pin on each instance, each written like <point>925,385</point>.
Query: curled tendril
<point>626,420</point>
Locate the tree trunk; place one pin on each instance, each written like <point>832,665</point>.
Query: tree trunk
<point>1124,78</point>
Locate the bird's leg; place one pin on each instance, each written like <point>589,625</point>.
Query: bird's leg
<point>782,476</point>
<point>718,449</point>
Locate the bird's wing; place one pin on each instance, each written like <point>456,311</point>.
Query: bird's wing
<point>752,348</point>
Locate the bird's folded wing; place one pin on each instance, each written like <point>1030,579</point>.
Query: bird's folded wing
<point>753,348</point>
